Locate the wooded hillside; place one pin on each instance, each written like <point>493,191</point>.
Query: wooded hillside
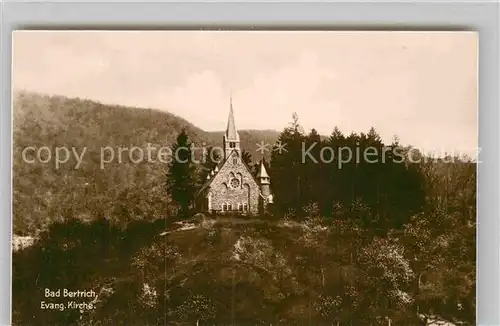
<point>121,191</point>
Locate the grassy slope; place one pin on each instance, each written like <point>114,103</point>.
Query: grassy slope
<point>124,190</point>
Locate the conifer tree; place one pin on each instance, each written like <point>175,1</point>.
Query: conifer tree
<point>181,183</point>
<point>211,160</point>
<point>286,167</point>
<point>246,157</point>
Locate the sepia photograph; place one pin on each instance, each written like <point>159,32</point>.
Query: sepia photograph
<point>203,177</point>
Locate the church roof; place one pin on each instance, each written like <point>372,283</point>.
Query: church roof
<point>231,133</point>
<point>262,172</point>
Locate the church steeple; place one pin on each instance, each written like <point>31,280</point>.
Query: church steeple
<point>231,133</point>
<point>231,139</point>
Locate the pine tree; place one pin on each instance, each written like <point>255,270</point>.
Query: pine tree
<point>211,160</point>
<point>286,167</point>
<point>181,183</point>
<point>246,157</point>
<point>314,187</point>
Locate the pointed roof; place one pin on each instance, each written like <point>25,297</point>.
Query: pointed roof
<point>263,172</point>
<point>231,133</point>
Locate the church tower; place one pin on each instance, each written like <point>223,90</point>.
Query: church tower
<point>231,188</point>
<point>231,138</point>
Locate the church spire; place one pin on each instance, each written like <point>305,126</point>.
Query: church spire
<point>231,139</point>
<point>231,133</point>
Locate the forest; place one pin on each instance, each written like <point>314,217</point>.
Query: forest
<point>385,243</point>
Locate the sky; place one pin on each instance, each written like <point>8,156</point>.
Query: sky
<point>418,86</point>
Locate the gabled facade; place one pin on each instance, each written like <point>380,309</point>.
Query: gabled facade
<point>231,187</point>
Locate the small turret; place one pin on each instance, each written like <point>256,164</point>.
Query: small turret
<point>265,190</point>
<point>264,181</point>
<point>263,176</point>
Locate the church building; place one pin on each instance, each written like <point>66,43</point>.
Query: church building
<point>231,187</point>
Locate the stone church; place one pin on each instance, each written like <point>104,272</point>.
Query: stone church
<point>231,187</point>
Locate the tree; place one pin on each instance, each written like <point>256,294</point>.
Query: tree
<point>181,184</point>
<point>210,161</point>
<point>286,167</point>
<point>441,252</point>
<point>369,172</point>
<point>387,276</point>
<point>246,157</point>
